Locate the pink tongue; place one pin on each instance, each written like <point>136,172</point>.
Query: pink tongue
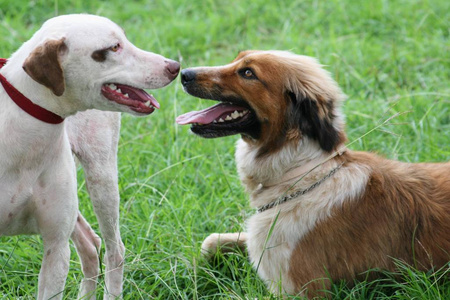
<point>145,97</point>
<point>138,93</point>
<point>208,115</point>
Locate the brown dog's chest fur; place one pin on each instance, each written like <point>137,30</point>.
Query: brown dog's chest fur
<point>404,213</point>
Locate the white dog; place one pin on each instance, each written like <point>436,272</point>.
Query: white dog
<point>73,63</point>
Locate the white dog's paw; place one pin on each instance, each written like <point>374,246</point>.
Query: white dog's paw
<point>210,245</point>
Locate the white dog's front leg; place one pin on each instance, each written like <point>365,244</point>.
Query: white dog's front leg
<point>54,269</point>
<point>104,193</point>
<point>94,136</point>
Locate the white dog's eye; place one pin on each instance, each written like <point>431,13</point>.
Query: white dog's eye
<point>102,54</point>
<point>115,48</point>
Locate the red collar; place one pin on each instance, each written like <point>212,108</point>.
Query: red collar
<point>24,103</point>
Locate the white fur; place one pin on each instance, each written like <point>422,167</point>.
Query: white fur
<point>83,76</point>
<point>94,137</point>
<point>38,190</point>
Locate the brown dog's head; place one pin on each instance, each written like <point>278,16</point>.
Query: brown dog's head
<point>269,97</point>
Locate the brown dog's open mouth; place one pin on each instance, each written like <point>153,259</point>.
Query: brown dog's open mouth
<point>219,120</point>
<point>136,99</point>
<point>220,113</point>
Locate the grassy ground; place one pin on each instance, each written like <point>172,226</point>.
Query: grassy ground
<point>390,57</point>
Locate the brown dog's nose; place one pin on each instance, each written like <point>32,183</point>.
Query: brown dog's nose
<point>173,67</point>
<point>187,75</point>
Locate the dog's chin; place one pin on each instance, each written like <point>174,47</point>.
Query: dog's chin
<point>136,112</point>
<point>130,99</point>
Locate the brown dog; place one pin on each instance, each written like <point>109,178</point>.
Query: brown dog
<point>324,212</point>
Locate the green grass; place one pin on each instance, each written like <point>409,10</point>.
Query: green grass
<point>388,56</point>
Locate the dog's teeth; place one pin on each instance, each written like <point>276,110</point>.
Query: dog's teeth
<point>221,120</point>
<point>228,118</point>
<point>235,115</point>
<point>119,90</point>
<point>126,96</point>
<point>215,121</point>
<point>147,103</point>
<point>113,86</point>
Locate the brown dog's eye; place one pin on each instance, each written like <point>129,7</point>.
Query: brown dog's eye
<point>115,48</point>
<point>247,73</point>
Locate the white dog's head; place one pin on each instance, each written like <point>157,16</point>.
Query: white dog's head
<point>88,62</point>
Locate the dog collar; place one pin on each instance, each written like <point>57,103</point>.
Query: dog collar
<point>24,103</point>
<point>285,198</point>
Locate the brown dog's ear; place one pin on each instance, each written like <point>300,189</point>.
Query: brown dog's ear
<point>315,99</point>
<point>43,65</point>
<point>314,121</point>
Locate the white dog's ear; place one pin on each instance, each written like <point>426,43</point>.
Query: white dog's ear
<point>43,65</point>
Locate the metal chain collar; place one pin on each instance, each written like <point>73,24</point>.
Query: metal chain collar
<point>286,198</point>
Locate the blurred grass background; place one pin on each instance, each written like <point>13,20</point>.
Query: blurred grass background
<point>390,57</point>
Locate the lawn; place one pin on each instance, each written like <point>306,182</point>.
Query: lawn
<point>390,57</point>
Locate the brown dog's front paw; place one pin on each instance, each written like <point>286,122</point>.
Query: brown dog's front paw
<point>224,243</point>
<point>210,246</point>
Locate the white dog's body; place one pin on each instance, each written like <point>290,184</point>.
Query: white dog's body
<point>66,67</point>
<point>38,189</point>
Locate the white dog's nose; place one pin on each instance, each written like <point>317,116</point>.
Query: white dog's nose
<point>173,68</point>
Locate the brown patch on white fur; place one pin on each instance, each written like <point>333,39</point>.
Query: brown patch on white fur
<point>44,67</point>
<point>370,211</point>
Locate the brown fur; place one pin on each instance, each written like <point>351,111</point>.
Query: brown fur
<point>269,96</point>
<point>43,65</point>
<point>401,212</point>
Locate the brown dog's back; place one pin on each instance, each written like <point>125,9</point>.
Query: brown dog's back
<point>404,213</point>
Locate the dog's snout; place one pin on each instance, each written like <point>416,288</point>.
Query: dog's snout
<point>173,67</point>
<point>187,76</point>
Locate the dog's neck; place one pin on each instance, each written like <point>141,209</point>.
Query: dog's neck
<point>291,161</point>
<point>37,93</point>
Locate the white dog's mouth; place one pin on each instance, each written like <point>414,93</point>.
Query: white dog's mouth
<point>136,99</point>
